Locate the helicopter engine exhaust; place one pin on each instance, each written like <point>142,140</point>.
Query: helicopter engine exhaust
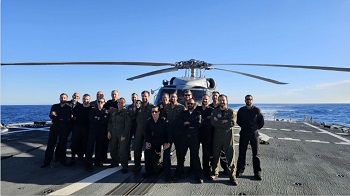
<point>211,83</point>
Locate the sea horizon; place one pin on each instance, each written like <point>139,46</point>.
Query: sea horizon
<point>329,113</point>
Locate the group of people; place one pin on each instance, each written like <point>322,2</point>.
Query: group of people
<point>99,125</point>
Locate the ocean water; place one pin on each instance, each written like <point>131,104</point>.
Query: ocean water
<point>327,113</point>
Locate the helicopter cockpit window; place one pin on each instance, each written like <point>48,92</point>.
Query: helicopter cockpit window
<point>197,94</point>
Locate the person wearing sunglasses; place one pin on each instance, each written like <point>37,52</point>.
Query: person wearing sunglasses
<point>187,96</point>
<point>98,118</point>
<point>99,95</point>
<point>191,121</point>
<point>250,119</point>
<point>156,136</point>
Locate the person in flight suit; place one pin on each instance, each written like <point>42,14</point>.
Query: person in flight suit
<point>191,121</point>
<point>98,118</point>
<point>156,135</point>
<point>215,104</point>
<point>61,115</point>
<point>205,134</point>
<point>165,101</point>
<point>143,114</point>
<point>118,134</point>
<point>222,119</point>
<point>173,115</point>
<point>250,119</point>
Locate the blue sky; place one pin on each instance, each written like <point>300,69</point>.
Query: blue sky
<point>312,32</point>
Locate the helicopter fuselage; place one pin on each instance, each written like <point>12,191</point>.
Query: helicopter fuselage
<point>198,86</point>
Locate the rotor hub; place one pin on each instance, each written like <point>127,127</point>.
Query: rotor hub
<point>193,64</point>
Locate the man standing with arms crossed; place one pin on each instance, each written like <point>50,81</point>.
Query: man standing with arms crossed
<point>61,115</point>
<point>216,104</point>
<point>250,119</point>
<point>222,119</point>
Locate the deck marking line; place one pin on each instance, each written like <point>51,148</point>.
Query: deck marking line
<point>269,128</point>
<point>344,143</point>
<point>68,190</point>
<point>329,133</point>
<point>286,130</point>
<point>303,131</point>
<point>25,130</point>
<point>317,141</point>
<point>288,138</point>
<point>342,133</point>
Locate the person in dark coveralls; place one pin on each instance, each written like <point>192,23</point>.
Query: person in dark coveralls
<point>112,104</point>
<point>223,119</point>
<point>250,119</point>
<point>205,134</point>
<point>132,111</point>
<point>81,129</point>
<point>191,121</point>
<point>156,135</point>
<point>98,118</point>
<point>187,96</point>
<point>143,114</point>
<point>74,104</point>
<point>61,115</point>
<point>118,134</point>
<point>173,115</point>
<point>215,104</point>
<point>99,95</point>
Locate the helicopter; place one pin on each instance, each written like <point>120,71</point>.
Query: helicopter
<point>194,78</point>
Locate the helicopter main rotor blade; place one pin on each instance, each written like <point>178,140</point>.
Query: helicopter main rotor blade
<point>154,73</point>
<point>253,76</point>
<point>89,63</point>
<point>343,69</point>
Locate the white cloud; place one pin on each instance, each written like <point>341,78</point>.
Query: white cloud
<point>331,84</point>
